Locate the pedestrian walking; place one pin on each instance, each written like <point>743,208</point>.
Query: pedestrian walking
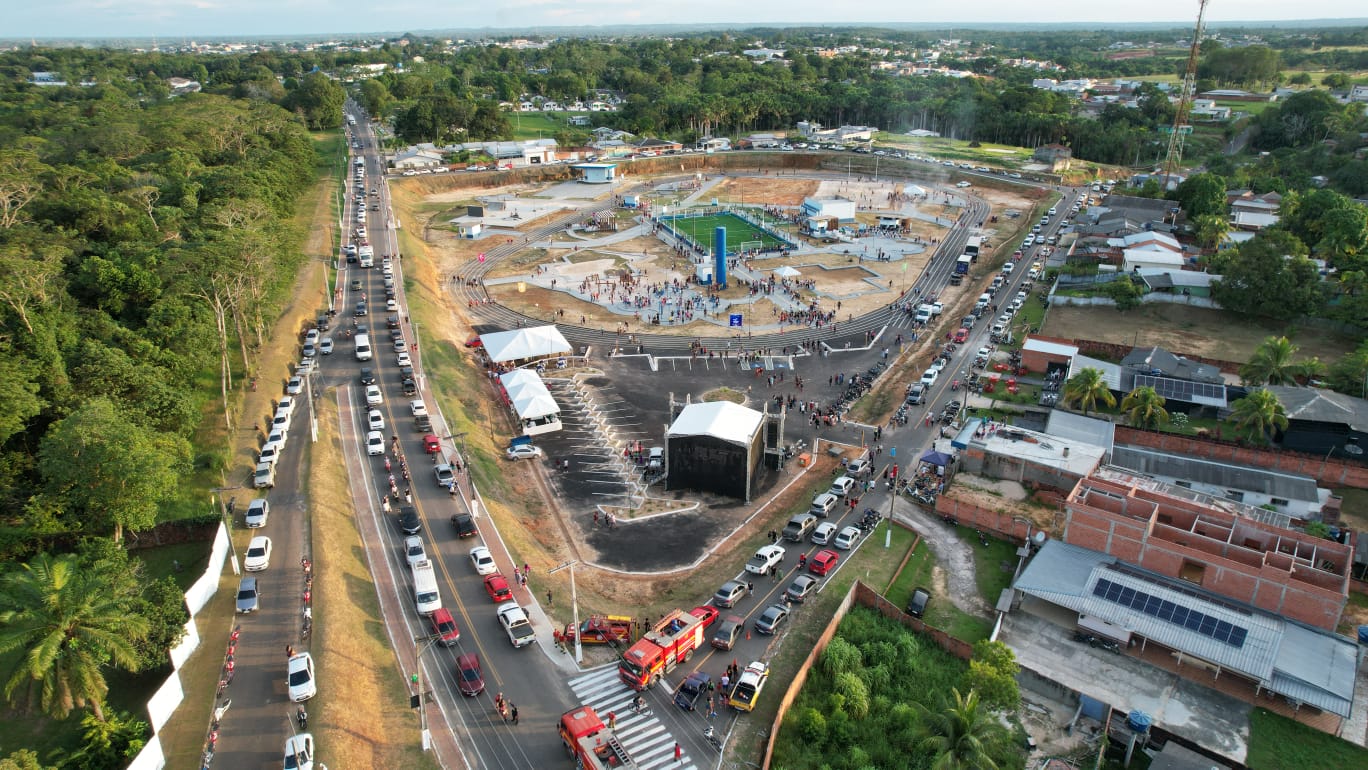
<point>612,720</point>
<point>549,603</point>
<point>679,751</point>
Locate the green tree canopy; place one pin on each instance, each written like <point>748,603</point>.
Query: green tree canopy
<point>1086,388</point>
<point>1144,408</point>
<point>1271,363</point>
<point>69,620</point>
<point>1202,195</point>
<point>1259,415</point>
<point>1268,276</point>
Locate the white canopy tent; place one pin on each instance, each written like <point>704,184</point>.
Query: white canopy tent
<point>520,344</point>
<point>729,422</point>
<point>787,272</point>
<point>531,401</point>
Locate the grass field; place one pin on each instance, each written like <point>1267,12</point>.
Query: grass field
<point>1278,743</point>
<point>739,231</point>
<point>540,125</point>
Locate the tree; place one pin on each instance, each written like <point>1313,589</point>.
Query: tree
<point>1300,79</point>
<point>1271,363</point>
<point>22,759</point>
<point>992,674</point>
<point>1211,230</point>
<point>318,100</point>
<point>1086,388</point>
<point>1344,242</point>
<point>1202,195</point>
<point>109,744</point>
<point>1259,414</point>
<point>1350,373</point>
<point>1337,81</point>
<point>69,620</point>
<point>1268,276</point>
<point>959,736</point>
<point>108,472</point>
<point>1144,408</point>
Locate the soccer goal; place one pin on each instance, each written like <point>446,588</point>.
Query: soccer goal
<point>750,245</point>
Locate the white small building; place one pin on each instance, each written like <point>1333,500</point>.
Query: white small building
<point>596,173</point>
<point>1151,259</point>
<point>838,208</point>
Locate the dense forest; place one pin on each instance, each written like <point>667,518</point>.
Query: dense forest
<point>144,245</point>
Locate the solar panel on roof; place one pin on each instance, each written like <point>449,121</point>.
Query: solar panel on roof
<point>1154,606</point>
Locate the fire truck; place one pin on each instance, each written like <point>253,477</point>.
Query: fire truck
<point>593,745</point>
<point>668,643</point>
<point>602,629</point>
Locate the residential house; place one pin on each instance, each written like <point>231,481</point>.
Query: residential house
<point>714,144</point>
<point>1207,109</point>
<point>652,146</point>
<point>1253,212</point>
<point>418,156</point>
<point>1358,94</point>
<point>1323,422</point>
<point>1056,156</point>
<point>581,120</point>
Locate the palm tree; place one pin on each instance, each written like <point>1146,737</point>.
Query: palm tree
<point>960,735</point>
<point>1260,413</point>
<point>69,619</point>
<point>1087,388</point>
<point>1271,363</point>
<point>1144,407</point>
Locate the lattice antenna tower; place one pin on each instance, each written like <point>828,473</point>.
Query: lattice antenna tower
<point>1174,157</point>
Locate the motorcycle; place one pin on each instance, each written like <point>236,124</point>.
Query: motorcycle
<point>711,735</point>
<point>302,717</point>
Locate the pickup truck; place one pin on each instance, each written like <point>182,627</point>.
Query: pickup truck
<point>515,624</point>
<point>768,556</point>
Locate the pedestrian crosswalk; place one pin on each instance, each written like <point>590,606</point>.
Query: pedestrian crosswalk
<point>643,735</point>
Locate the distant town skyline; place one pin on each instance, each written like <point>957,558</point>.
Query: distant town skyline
<point>248,18</point>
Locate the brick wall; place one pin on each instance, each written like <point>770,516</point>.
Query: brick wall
<point>1332,473</point>
<point>971,515</point>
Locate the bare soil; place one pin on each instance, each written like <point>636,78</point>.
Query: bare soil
<point>777,191</point>
<point>1188,330</point>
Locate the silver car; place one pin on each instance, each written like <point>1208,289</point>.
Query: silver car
<point>248,599</point>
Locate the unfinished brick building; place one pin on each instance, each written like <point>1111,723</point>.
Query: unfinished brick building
<point>1215,544</point>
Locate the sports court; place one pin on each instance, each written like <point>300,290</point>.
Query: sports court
<point>742,234</point>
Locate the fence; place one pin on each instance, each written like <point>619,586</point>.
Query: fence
<point>1326,471</point>
<point>171,694</point>
<point>1150,298</point>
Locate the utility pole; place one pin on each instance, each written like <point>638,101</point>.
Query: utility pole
<point>421,645</point>
<point>574,605</point>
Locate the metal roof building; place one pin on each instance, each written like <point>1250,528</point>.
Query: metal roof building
<point>1298,662</point>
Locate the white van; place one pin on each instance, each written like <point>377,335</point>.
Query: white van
<point>426,598</point>
<point>363,347</point>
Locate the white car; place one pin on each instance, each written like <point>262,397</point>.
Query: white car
<point>257,512</point>
<point>417,407</point>
<point>300,677</point>
<point>299,749</point>
<point>286,406</point>
<point>375,420</point>
<point>524,452</point>
<point>824,532</point>
<point>295,386</point>
<point>391,305</point>
<point>404,359</point>
<point>269,454</point>
<point>767,557</point>
<point>414,550</point>
<point>400,344</point>
<point>258,555</point>
<point>325,346</point>
<point>373,396</point>
<point>516,624</point>
<point>375,443</point>
<point>483,561</point>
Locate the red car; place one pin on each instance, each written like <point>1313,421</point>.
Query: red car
<point>707,612</point>
<point>432,444</point>
<point>468,674</point>
<point>497,588</point>
<point>823,561</point>
<point>444,626</point>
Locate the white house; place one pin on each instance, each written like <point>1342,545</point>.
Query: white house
<point>1207,109</point>
<point>1150,259</point>
<point>416,157</point>
<point>596,173</point>
<point>1358,94</point>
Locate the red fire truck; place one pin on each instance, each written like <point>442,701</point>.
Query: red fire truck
<point>668,643</point>
<point>593,745</point>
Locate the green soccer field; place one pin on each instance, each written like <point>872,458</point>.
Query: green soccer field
<point>739,231</point>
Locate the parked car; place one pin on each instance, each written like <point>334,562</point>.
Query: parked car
<point>375,420</point>
<point>445,475</point>
<point>730,593</point>
<point>847,538</point>
<point>300,677</point>
<point>409,522</point>
<point>516,624</point>
<point>858,467</point>
<point>299,751</point>
<point>706,613</point>
<point>468,674</point>
<point>482,560</point>
<point>375,443</point>
<point>248,598</point>
<point>695,687</point>
<point>728,632</point>
<point>801,587</point>
<point>916,606</point>
<point>373,395</point>
<point>295,386</point>
<point>523,451</point>
<point>746,692</point>
<point>770,620</point>
<point>823,533</point>
<point>258,511</point>
<point>823,561</point>
<point>799,527</point>
<point>766,557</point>
<point>258,555</point>
<point>496,586</point>
<point>842,486</point>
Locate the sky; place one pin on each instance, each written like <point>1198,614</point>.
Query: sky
<point>218,18</point>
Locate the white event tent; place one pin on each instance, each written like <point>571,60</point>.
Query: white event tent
<point>521,344</point>
<point>531,401</point>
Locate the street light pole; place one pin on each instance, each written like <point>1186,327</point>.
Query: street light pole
<point>574,606</point>
<point>1025,549</point>
<point>417,680</point>
<point>227,523</point>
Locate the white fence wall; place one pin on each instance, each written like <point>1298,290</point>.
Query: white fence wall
<point>171,694</point>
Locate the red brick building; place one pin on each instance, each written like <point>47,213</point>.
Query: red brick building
<point>1214,544</point>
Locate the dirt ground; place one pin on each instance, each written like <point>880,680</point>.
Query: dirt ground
<point>1191,330</point>
<point>777,191</point>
